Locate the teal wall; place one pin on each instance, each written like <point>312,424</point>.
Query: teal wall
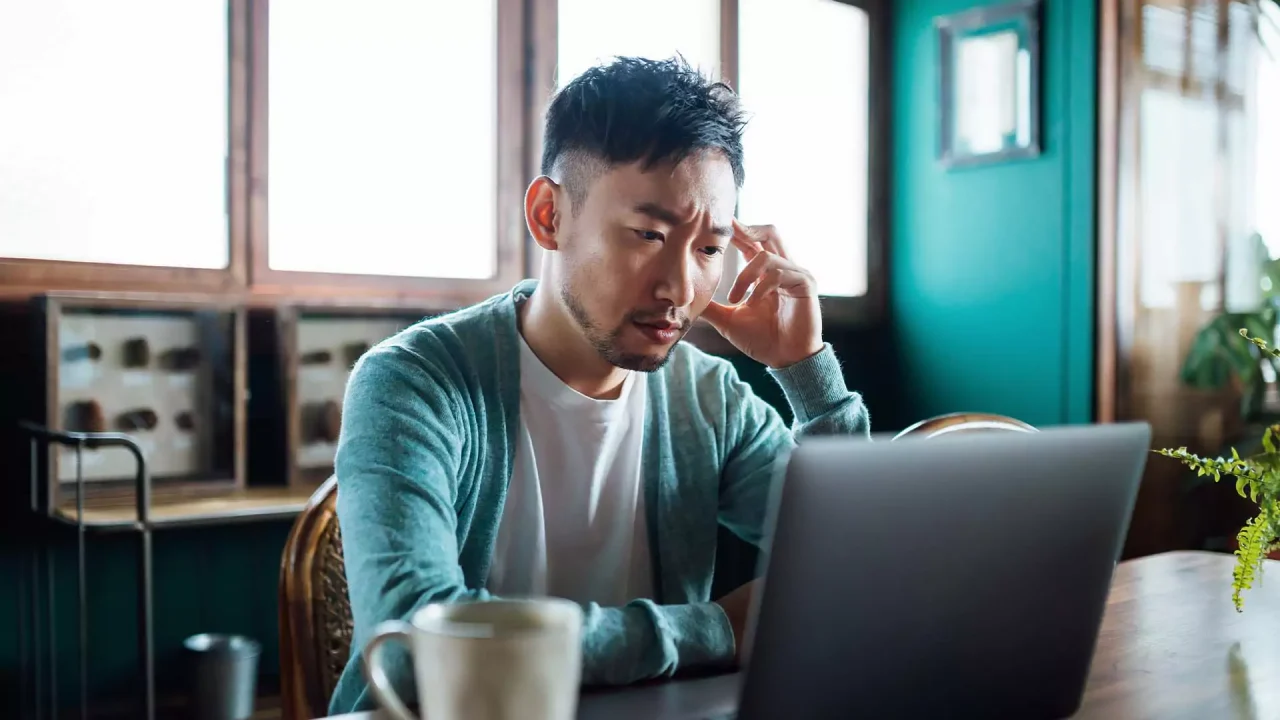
<point>213,579</point>
<point>992,268</point>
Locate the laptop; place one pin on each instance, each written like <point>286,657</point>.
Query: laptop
<point>960,576</point>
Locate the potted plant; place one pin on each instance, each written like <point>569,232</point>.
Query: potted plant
<point>1257,477</point>
<point>1220,356</point>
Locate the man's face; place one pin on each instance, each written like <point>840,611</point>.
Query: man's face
<point>642,255</point>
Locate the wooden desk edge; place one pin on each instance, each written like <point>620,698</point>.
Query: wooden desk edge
<point>255,504</point>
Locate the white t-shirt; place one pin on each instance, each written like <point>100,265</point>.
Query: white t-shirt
<point>574,523</point>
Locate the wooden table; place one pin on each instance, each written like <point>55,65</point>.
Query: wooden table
<point>1171,647</point>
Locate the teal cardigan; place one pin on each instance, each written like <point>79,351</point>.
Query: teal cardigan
<point>428,440</point>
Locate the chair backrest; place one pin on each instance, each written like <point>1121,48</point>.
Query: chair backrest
<point>964,422</point>
<point>315,609</point>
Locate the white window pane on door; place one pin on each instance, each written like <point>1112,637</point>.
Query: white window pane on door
<point>1266,98</point>
<point>113,131</point>
<point>1178,156</point>
<point>803,78</point>
<point>591,32</point>
<point>382,147</point>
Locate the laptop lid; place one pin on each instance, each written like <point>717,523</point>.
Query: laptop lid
<point>961,576</point>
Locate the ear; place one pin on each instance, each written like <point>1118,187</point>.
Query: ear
<point>542,211</point>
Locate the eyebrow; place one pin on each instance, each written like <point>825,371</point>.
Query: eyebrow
<point>668,216</point>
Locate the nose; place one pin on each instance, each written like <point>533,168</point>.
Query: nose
<point>675,281</point>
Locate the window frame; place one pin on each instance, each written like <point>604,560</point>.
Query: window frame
<point>527,36</point>
<point>266,283</point>
<point>866,309</point>
<point>23,277</point>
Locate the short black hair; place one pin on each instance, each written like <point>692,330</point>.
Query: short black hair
<point>635,109</point>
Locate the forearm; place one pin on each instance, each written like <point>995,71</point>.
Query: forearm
<point>819,399</point>
<point>620,645</point>
<point>821,404</point>
<point>643,640</point>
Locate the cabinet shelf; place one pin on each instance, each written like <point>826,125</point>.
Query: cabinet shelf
<point>177,509</point>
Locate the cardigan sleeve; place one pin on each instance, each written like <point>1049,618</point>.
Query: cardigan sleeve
<point>822,405</point>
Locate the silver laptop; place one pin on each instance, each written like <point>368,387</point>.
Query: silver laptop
<point>961,576</point>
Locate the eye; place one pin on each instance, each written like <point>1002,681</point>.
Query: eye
<point>649,235</point>
<point>713,250</point>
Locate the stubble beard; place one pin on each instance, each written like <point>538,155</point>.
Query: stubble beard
<point>606,343</point>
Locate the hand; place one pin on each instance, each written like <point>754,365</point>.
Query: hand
<point>780,324</point>
<point>737,605</point>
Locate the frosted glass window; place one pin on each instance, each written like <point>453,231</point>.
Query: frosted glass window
<point>1267,133</point>
<point>1180,220</point>
<point>594,31</point>
<point>382,148</point>
<point>803,78</point>
<point>113,132</point>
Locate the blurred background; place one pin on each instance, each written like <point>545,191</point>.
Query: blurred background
<point>1058,211</point>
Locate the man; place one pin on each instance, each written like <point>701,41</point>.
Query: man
<point>559,439</point>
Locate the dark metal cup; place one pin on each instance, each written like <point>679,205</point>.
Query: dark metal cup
<point>223,676</point>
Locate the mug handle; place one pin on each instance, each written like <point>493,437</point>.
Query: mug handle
<point>376,674</point>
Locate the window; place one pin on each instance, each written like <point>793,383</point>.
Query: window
<point>802,68</point>
<point>1266,120</point>
<point>594,31</point>
<point>114,137</point>
<point>806,143</point>
<point>1197,205</point>
<point>382,138</point>
<point>296,149</point>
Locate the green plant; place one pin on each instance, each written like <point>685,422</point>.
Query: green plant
<point>1220,356</point>
<point>1257,478</point>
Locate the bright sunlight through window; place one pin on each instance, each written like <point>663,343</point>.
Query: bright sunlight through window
<point>382,148</point>
<point>113,131</point>
<point>803,76</point>
<point>595,31</point>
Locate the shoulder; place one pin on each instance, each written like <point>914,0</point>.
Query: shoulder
<point>447,343</point>
<point>438,355</point>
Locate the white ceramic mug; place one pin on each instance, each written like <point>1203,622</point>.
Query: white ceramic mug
<point>495,660</point>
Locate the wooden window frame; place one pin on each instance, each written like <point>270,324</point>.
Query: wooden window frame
<point>267,283</point>
<point>526,62</point>
<point>866,309</point>
<point>21,277</point>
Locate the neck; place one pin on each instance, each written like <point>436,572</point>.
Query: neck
<point>558,342</point>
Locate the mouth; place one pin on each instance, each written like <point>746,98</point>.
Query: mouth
<point>662,332</point>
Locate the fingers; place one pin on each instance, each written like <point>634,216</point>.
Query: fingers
<point>742,240</point>
<point>786,280</point>
<point>768,272</point>
<point>763,237</point>
<point>718,315</point>
<point>751,274</point>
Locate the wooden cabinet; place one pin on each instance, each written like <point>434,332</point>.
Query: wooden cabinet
<point>170,373</point>
<point>305,356</point>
